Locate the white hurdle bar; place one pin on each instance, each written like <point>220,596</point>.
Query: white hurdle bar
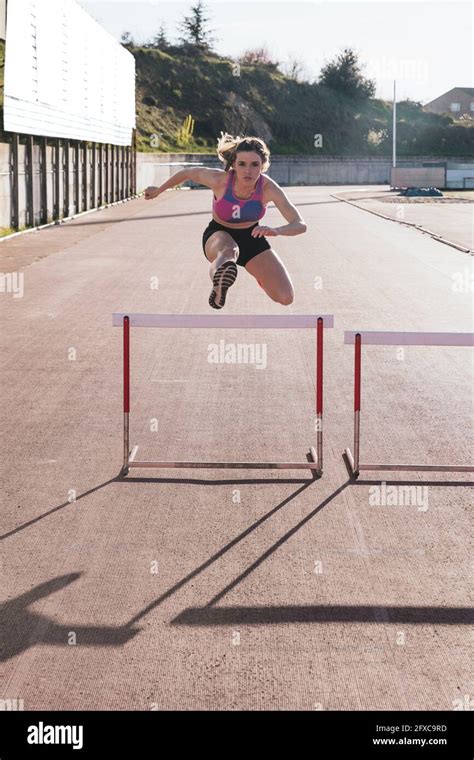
<point>396,339</point>
<point>245,321</point>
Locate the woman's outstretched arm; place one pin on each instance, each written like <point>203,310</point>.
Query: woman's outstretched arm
<point>202,176</point>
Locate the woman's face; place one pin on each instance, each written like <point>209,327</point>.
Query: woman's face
<point>247,166</point>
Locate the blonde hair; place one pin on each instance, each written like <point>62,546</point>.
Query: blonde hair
<point>228,147</point>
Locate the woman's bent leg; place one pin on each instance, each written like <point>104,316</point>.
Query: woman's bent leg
<point>272,275</point>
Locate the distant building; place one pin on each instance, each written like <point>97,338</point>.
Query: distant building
<point>456,102</point>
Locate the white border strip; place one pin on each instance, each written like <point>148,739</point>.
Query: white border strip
<point>413,225</point>
<point>223,320</point>
<point>410,338</point>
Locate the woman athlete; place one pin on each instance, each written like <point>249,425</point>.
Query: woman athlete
<point>234,235</point>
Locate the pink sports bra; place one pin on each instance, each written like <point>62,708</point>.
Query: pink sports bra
<point>234,210</point>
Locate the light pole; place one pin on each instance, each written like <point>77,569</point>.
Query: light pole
<point>394,129</point>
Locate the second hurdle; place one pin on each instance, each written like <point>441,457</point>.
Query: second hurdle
<point>368,337</point>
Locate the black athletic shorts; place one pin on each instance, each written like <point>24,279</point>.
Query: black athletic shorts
<point>249,246</point>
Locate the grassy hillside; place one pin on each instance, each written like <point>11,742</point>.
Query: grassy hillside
<point>261,100</point>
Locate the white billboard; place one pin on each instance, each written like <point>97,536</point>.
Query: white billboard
<point>65,75</point>
<point>3,18</point>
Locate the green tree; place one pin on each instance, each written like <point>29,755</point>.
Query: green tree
<point>126,39</point>
<point>195,30</point>
<point>160,39</point>
<point>344,75</point>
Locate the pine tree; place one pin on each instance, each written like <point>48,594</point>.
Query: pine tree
<point>160,40</point>
<point>344,75</point>
<point>194,28</point>
<point>126,39</point>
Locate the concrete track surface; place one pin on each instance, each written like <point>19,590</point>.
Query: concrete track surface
<point>232,589</point>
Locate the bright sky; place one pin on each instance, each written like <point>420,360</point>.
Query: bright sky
<point>426,46</point>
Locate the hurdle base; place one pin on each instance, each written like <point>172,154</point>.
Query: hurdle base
<point>315,471</point>
<point>312,465</point>
<point>350,463</point>
<point>402,467</point>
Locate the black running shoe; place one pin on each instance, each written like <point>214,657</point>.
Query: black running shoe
<point>224,277</point>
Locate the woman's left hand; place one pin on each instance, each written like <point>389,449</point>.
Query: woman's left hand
<point>261,231</point>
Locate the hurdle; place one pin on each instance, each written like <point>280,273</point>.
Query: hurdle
<point>245,321</point>
<point>395,339</point>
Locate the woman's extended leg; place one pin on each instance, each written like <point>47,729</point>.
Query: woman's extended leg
<point>222,251</point>
<point>272,275</point>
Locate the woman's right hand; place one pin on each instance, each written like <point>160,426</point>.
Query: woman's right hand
<point>151,192</point>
